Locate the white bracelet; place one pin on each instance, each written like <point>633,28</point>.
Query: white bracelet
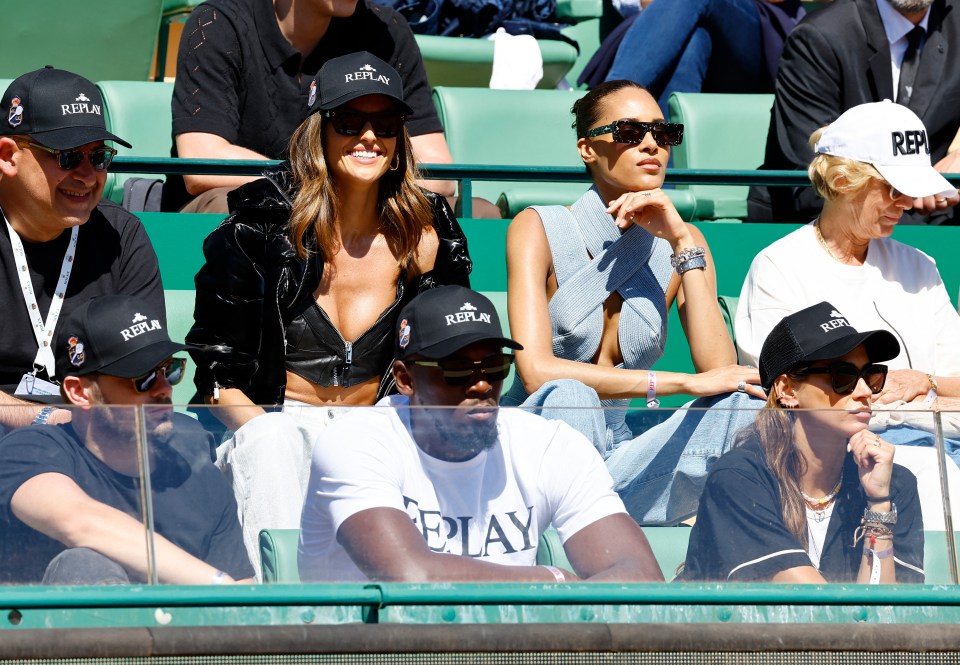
<point>557,573</point>
<point>652,401</point>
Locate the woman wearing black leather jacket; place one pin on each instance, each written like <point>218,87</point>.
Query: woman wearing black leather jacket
<point>298,298</point>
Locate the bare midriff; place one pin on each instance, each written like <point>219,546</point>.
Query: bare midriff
<point>301,390</point>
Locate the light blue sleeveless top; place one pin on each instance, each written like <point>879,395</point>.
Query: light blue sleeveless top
<point>634,263</point>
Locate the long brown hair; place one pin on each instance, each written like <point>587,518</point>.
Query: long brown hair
<point>404,210</point>
<point>773,429</point>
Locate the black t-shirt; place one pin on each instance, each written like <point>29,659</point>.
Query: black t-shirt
<point>114,256</point>
<point>239,78</point>
<point>193,507</point>
<point>739,534</point>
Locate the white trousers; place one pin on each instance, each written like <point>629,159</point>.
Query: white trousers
<point>267,462</point>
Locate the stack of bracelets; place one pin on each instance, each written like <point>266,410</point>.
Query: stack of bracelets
<point>690,258</point>
<point>874,527</point>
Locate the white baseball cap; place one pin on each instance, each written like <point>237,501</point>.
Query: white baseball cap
<point>893,139</point>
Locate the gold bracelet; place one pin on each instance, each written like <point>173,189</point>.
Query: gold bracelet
<point>932,380</point>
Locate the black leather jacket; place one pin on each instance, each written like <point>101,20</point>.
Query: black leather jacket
<point>252,277</point>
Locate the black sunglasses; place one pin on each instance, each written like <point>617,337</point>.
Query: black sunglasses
<point>172,369</point>
<point>844,376</point>
<point>634,131</point>
<point>100,158</point>
<point>346,122</point>
<point>459,371</point>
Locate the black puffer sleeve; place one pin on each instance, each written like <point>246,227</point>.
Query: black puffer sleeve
<point>226,333</point>
<point>453,264</point>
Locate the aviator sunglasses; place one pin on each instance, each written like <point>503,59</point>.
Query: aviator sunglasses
<point>172,369</point>
<point>633,131</point>
<point>100,158</point>
<point>459,371</point>
<point>346,122</point>
<point>844,376</point>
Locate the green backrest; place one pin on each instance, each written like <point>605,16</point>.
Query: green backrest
<point>721,131</point>
<point>468,62</point>
<point>105,39</point>
<point>139,112</point>
<point>513,127</point>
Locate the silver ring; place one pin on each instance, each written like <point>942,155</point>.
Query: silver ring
<point>646,193</point>
<point>742,387</point>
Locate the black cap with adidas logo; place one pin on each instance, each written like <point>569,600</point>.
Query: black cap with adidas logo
<point>441,321</point>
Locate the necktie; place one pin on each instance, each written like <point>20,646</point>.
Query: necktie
<point>908,70</point>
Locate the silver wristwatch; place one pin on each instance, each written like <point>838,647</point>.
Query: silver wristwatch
<point>876,516</point>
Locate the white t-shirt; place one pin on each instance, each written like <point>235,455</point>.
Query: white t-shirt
<point>898,289</point>
<point>494,506</point>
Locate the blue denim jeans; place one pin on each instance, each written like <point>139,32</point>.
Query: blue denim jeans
<point>659,472</point>
<point>693,45</point>
<point>82,566</point>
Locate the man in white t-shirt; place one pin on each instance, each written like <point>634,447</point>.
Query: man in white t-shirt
<point>439,470</point>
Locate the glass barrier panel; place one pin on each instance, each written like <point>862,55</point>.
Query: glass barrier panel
<point>72,497</point>
<point>311,494</point>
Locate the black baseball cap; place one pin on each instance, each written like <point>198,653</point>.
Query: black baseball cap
<point>355,75</point>
<point>819,332</point>
<point>115,335</point>
<point>443,320</point>
<point>56,108</point>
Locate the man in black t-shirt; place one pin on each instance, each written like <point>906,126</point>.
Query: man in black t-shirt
<point>53,167</point>
<point>244,70</point>
<point>70,504</point>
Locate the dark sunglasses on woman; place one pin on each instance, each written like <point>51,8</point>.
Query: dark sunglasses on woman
<point>626,130</point>
<point>100,158</point>
<point>459,371</point>
<point>844,376</point>
<point>171,368</point>
<point>348,122</point>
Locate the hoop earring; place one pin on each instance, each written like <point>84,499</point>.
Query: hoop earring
<point>395,164</point>
<point>782,405</point>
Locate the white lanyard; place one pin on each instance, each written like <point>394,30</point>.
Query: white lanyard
<point>43,331</point>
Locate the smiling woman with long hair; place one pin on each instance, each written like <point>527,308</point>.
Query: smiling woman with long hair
<point>302,284</point>
<point>810,494</point>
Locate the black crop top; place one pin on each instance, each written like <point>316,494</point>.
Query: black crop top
<point>317,351</point>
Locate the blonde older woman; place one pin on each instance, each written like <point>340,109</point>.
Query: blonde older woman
<point>871,164</point>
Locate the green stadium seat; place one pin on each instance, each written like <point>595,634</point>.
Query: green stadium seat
<point>278,551</point>
<point>521,128</point>
<point>669,545</point>
<point>111,39</point>
<point>138,111</point>
<point>278,556</point>
<point>468,62</point>
<point>721,131</point>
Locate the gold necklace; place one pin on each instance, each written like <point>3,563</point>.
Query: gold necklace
<point>816,226</point>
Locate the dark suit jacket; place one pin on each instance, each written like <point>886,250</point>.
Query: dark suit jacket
<point>836,58</point>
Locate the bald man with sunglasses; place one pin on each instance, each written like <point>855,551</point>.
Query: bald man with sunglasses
<point>60,244</point>
<point>70,504</point>
<point>438,470</point>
